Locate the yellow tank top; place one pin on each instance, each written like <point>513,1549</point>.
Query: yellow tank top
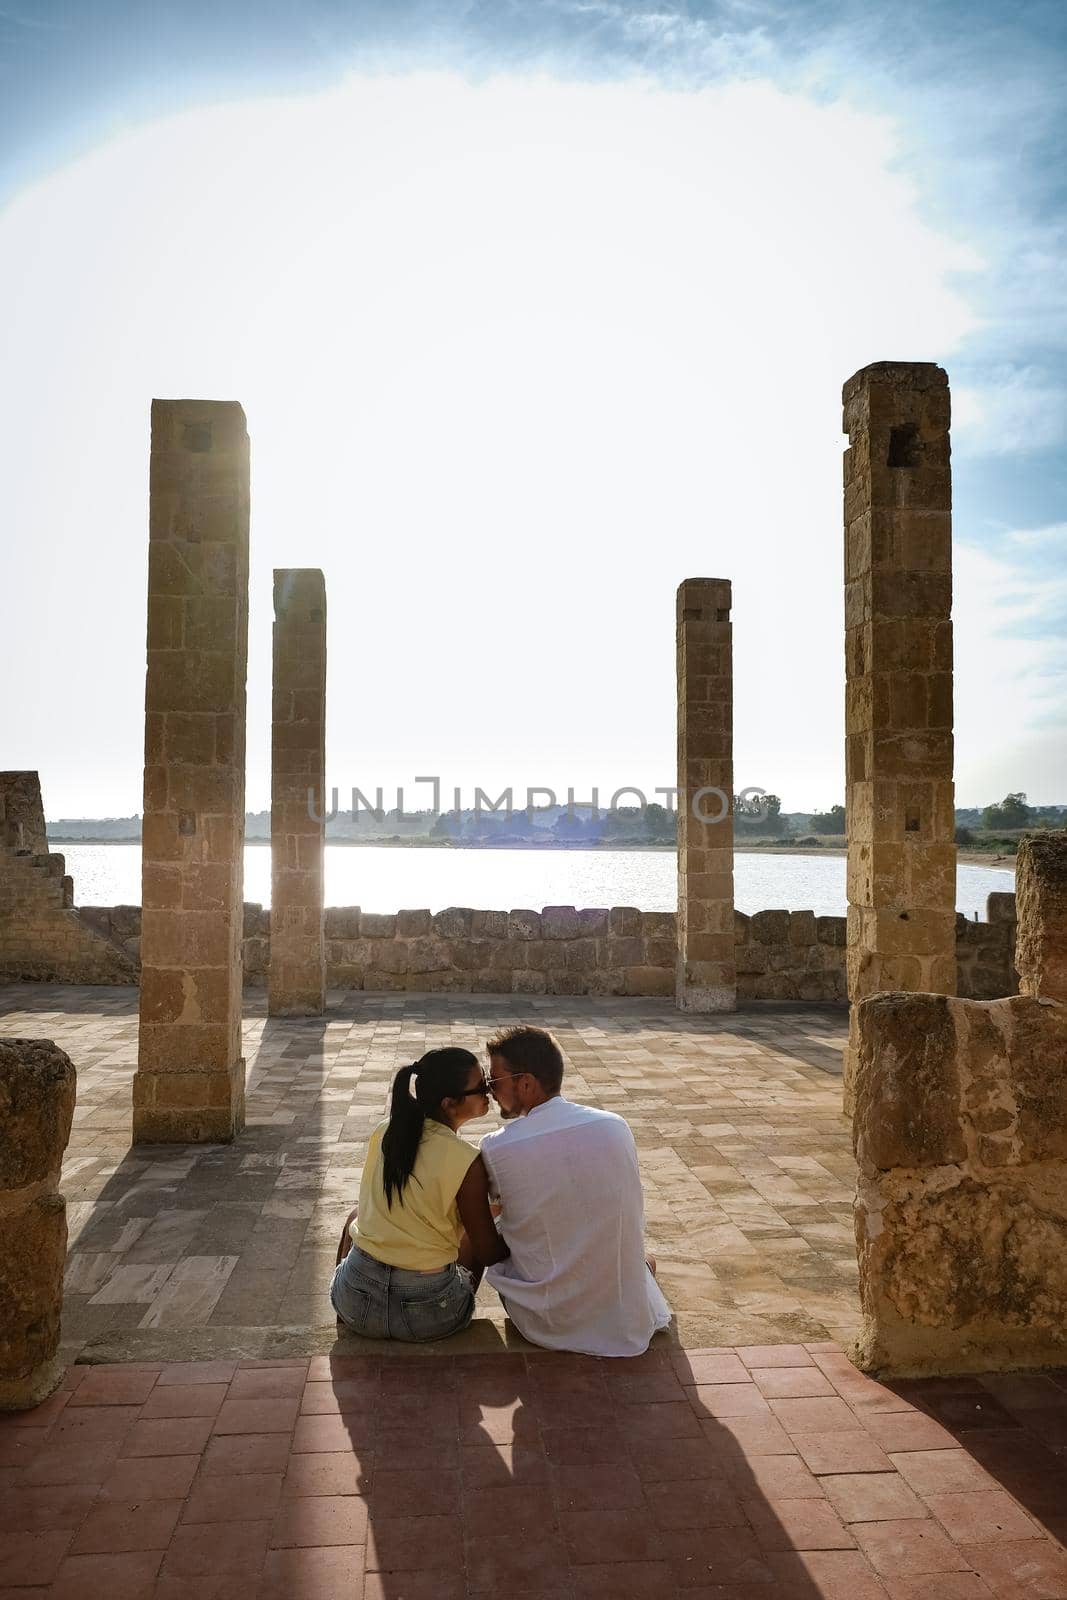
<point>421,1230</point>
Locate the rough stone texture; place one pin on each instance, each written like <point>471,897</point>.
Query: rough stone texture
<point>898,664</point>
<point>37,1087</point>
<point>297,983</point>
<point>1041,887</point>
<point>42,934</point>
<point>780,955</point>
<point>961,1214</point>
<point>190,1078</point>
<point>707,973</point>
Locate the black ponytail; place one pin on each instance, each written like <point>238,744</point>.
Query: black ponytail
<point>437,1076</point>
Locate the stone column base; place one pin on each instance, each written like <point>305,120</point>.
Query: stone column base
<point>22,1394</point>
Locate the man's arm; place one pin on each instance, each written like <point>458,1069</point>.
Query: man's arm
<point>472,1201</point>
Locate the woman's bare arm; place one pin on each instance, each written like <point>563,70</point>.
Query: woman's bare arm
<point>472,1201</point>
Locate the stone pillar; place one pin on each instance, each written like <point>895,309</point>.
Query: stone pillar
<point>961,1207</point>
<point>898,709</point>
<point>297,985</point>
<point>190,1073</point>
<point>37,1085</point>
<point>1041,908</point>
<point>707,976</point>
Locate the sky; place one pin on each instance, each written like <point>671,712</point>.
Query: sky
<point>534,310</point>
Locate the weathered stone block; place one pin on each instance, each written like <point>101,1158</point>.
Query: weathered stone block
<point>802,930</point>
<point>413,924</point>
<point>624,921</point>
<point>961,1213</point>
<point>770,927</point>
<point>489,925</point>
<point>377,925</point>
<point>37,1089</point>
<point>343,922</point>
<point>559,922</point>
<point>455,922</point>
<point>1001,907</point>
<point>1041,901</point>
<point>525,925</point>
<point>593,922</point>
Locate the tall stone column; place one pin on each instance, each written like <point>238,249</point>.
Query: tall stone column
<point>297,985</point>
<point>707,975</point>
<point>190,1077</point>
<point>37,1085</point>
<point>898,664</point>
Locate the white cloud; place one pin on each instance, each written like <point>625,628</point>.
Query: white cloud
<point>516,359</point>
<point>1015,412</point>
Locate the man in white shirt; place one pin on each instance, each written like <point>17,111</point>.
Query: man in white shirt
<point>572,1209</point>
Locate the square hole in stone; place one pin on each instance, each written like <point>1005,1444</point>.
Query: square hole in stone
<point>196,436</point>
<point>903,446</point>
<point>186,823</point>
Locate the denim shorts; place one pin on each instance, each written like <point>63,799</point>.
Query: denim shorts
<point>383,1302</point>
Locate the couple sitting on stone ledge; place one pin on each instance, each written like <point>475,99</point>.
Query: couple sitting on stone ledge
<point>566,1251</point>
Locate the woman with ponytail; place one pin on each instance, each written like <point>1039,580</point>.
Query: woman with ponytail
<point>414,1250</point>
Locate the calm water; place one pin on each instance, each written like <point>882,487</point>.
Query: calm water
<point>390,880</point>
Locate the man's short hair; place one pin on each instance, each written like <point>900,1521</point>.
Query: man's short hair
<point>532,1050</point>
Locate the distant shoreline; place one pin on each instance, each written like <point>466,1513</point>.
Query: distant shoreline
<point>972,858</point>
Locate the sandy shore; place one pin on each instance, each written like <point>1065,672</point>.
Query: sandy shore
<point>973,858</point>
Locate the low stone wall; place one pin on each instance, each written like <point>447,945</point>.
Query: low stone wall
<point>781,955</point>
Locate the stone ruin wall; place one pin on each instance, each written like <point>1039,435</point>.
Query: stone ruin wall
<point>781,955</point>
<point>42,934</point>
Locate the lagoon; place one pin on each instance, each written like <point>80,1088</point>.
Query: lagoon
<point>391,879</point>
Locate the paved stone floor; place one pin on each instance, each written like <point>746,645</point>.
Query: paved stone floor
<point>179,1250</point>
<point>248,1449</point>
<point>766,1473</point>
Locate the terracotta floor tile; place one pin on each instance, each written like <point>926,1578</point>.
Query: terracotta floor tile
<point>319,1520</point>
<point>871,1497</point>
<point>332,1473</point>
<point>396,1448</point>
<point>842,1452</point>
<point>113,1526</point>
<point>245,1452</point>
<point>130,1576</point>
<point>664,1460</point>
<point>150,1478</point>
<point>32,1558</point>
<point>185,1400</point>
<point>82,1423</point>
<point>791,1383</point>
<point>950,1586</point>
<point>652,1388</point>
<point>637,1580</point>
<point>485,1465</point>
<point>574,1446</point>
<point>331,1573</point>
<point>815,1416</point>
<point>167,1436</point>
<point>219,1587</point>
<point>777,1477</point>
<point>327,1433</point>
<point>114,1386</point>
<point>267,1383</point>
<point>707,1367</point>
<point>775,1355</point>
<point>274,1415</point>
<point>342,1395</point>
<point>414,1494</point>
<point>907,1549</point>
<point>1027,1570</point>
<point>324,1369</point>
<point>524,1509</point>
<point>45,1509</point>
<point>797,1525</point>
<point>699,1503</point>
<point>606,1536</point>
<point>246,1497</point>
<point>961,1412</point>
<point>416,1586</point>
<point>728,1400</point>
<point>941,1471</point>
<point>751,1436</point>
<point>611,1488</point>
<point>502,1565</point>
<point>982,1516</point>
<point>197,1372</point>
<point>414,1544</point>
<point>823,1575</point>
<point>720,1556</point>
<point>197,1550</point>
<point>89,1461</point>
<point>897,1432</point>
<point>672,1421</point>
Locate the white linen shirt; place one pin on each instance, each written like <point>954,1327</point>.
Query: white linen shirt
<point>573,1217</point>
